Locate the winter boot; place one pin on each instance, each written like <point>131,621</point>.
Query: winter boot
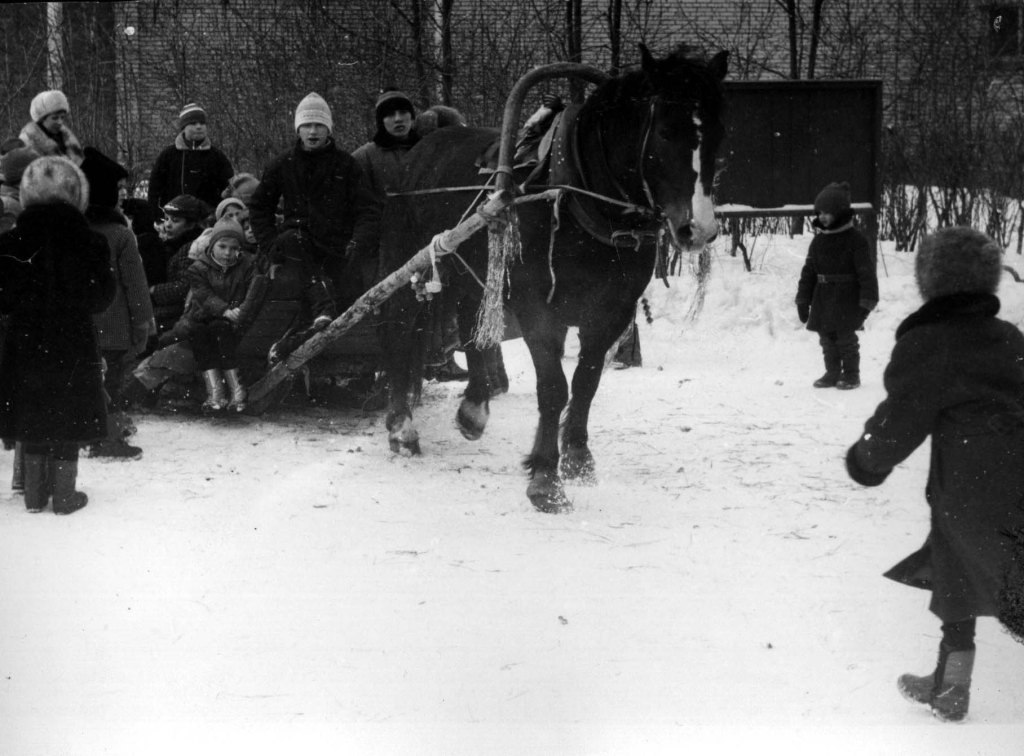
<point>216,398</point>
<point>849,353</point>
<point>238,393</point>
<point>113,448</point>
<point>18,471</point>
<point>833,363</point>
<point>947,691</point>
<point>66,499</point>
<point>37,485</point>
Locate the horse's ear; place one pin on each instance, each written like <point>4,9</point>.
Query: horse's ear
<point>647,61</point>
<point>719,65</point>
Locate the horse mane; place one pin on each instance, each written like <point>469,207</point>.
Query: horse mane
<point>681,69</point>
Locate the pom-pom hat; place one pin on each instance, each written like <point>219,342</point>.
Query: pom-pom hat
<point>957,260</point>
<point>226,228</point>
<point>104,175</point>
<point>188,207</point>
<point>45,103</point>
<point>390,100</point>
<point>834,199</point>
<point>52,179</point>
<point>313,109</point>
<point>191,113</point>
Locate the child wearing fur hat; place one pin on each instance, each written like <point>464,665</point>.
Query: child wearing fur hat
<point>54,275</point>
<point>956,375</point>
<point>838,287</point>
<point>226,293</point>
<point>48,133</point>
<point>192,165</point>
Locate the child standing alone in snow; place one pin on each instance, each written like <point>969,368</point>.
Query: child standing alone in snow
<point>957,375</point>
<point>226,292</point>
<point>838,287</point>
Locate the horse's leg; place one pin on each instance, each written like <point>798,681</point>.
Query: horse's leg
<point>474,409</point>
<point>546,342</point>
<point>577,462</point>
<point>496,374</point>
<point>399,344</point>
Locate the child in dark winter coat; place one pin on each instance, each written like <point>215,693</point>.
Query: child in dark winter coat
<point>838,287</point>
<point>54,275</point>
<point>182,225</point>
<point>192,165</point>
<point>957,375</point>
<point>226,293</point>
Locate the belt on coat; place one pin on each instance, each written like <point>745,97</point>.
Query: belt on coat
<point>836,278</point>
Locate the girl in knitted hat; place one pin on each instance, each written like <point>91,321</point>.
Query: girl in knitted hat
<point>955,375</point>
<point>226,293</point>
<point>838,287</point>
<point>48,133</point>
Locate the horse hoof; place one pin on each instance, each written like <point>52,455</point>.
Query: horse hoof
<point>471,419</point>
<point>404,436</point>
<point>547,495</point>
<point>578,465</point>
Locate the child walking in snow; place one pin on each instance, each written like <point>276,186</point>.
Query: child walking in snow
<point>957,375</point>
<point>838,287</point>
<point>226,292</point>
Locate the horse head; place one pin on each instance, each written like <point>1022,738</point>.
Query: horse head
<point>684,98</point>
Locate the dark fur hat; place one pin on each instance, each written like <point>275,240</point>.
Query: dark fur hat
<point>958,260</point>
<point>104,174</point>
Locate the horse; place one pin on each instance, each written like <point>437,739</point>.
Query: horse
<point>635,165</point>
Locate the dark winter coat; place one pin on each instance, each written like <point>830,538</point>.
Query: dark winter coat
<point>838,280</point>
<point>54,275</point>
<point>212,290</point>
<point>324,196</point>
<point>956,374</point>
<point>182,168</point>
<point>169,297</point>
<point>122,326</point>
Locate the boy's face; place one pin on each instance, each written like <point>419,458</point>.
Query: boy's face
<point>54,121</point>
<point>194,132</point>
<point>398,123</point>
<point>826,219</point>
<point>226,251</point>
<point>175,225</point>
<point>313,135</point>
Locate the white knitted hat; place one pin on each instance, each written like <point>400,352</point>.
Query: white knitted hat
<point>47,102</point>
<point>313,109</point>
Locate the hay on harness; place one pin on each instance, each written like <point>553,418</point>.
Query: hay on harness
<point>504,246</point>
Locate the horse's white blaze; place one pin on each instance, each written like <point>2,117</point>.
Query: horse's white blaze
<point>698,215</point>
<point>704,227</point>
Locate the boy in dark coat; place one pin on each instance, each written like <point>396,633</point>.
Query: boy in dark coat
<point>192,165</point>
<point>957,375</point>
<point>54,275</point>
<point>838,287</point>
<point>327,207</point>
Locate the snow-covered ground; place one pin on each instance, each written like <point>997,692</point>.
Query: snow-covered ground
<point>285,584</point>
